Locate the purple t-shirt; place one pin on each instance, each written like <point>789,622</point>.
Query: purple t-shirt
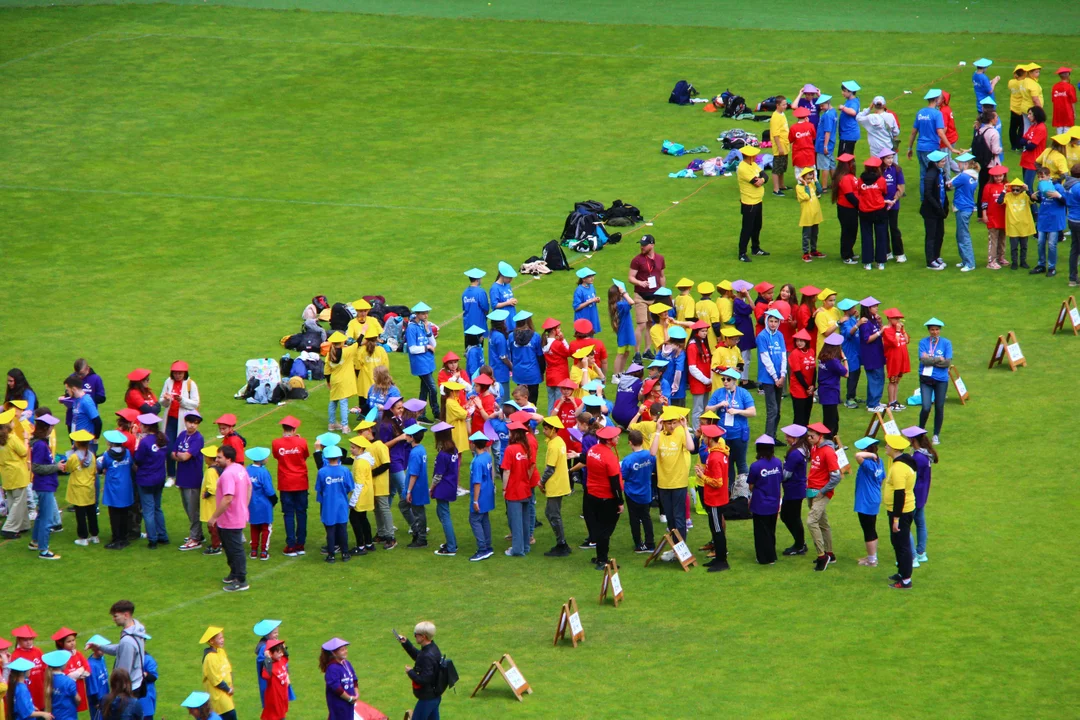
<point>813,108</point>
<point>234,481</point>
<point>829,374</point>
<point>40,454</point>
<point>795,486</point>
<point>893,176</point>
<point>189,472</point>
<point>871,354</point>
<point>150,462</point>
<point>922,477</point>
<point>399,454</point>
<point>743,313</point>
<point>340,678</point>
<point>764,480</point>
<point>446,465</point>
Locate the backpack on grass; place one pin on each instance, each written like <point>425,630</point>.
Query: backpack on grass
<point>682,92</point>
<point>554,257</point>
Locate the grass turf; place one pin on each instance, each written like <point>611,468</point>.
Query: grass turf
<point>178,181</point>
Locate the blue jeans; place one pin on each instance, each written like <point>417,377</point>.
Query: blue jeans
<point>342,406</point>
<point>294,504</point>
<point>430,393</point>
<point>172,425</point>
<point>442,511</point>
<point>963,238</point>
<point>46,508</point>
<point>427,709</point>
<point>737,466</point>
<point>530,519</point>
<point>875,383</point>
<point>481,528</point>
<point>153,517</point>
<point>1048,241</point>
<point>554,394</point>
<point>933,391</point>
<point>921,155</point>
<point>517,514</point>
<point>919,521</point>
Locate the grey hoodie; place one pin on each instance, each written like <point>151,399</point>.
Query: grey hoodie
<point>129,651</point>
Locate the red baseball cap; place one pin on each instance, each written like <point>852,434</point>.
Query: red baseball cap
<point>226,419</point>
<point>846,157</point>
<point>521,416</point>
<point>179,366</point>
<point>289,421</point>
<point>763,286</point>
<point>62,633</point>
<point>550,323</point>
<point>129,414</point>
<point>608,432</point>
<point>810,290</point>
<point>583,326</point>
<point>801,112</point>
<point>802,335</point>
<point>138,374</point>
<point>1063,69</point>
<point>23,631</point>
<point>450,357</point>
<point>483,380</point>
<point>648,386</point>
<point>515,426</point>
<point>568,383</point>
<point>270,645</point>
<point>819,428</point>
<point>893,313</point>
<point>998,170</point>
<point>700,325</point>
<point>713,431</point>
<point>872,162</point>
<point>4,643</point>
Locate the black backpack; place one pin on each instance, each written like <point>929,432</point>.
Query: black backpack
<point>446,676</point>
<point>682,93</point>
<point>553,255</point>
<point>580,225</point>
<point>768,103</point>
<point>320,302</point>
<point>981,149</point>
<point>340,316</point>
<point>734,105</point>
<point>621,211</point>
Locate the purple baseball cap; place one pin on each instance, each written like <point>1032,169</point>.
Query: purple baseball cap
<point>149,419</point>
<point>808,88</point>
<point>869,301</point>
<point>884,152</point>
<point>834,339</point>
<point>391,402</point>
<point>333,644</point>
<point>764,440</point>
<point>440,426</point>
<point>490,431</point>
<point>913,431</point>
<point>414,405</point>
<point>795,431</point>
<point>575,433</point>
<point>634,367</point>
<point>741,286</point>
<point>48,419</point>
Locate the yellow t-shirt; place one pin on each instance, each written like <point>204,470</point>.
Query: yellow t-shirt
<point>824,319</point>
<point>558,484</point>
<point>724,356</point>
<point>1072,154</point>
<point>706,310</point>
<point>356,330</point>
<point>900,477</point>
<point>381,454</point>
<point>1058,163</point>
<point>809,205</point>
<point>456,416</point>
<point>647,428</point>
<point>778,133</point>
<point>672,460</point>
<point>1018,220</point>
<point>726,306</point>
<point>14,472</point>
<point>657,335</point>
<point>1016,97</point>
<point>361,472</point>
<point>343,374</point>
<point>684,307</point>
<point>1030,90</point>
<point>80,484</point>
<point>749,194</point>
<point>216,669</point>
<point>365,364</point>
<point>207,505</point>
<point>582,377</point>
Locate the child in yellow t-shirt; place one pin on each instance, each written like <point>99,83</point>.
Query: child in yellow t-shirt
<point>208,499</point>
<point>1019,224</point>
<point>808,192</point>
<point>706,309</point>
<point>684,302</point>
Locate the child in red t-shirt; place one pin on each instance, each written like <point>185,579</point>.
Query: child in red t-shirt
<point>897,362</point>
<point>275,672</point>
<point>1063,96</point>
<point>714,479</point>
<point>993,215</point>
<point>803,365</point>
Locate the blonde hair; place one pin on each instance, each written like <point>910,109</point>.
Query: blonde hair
<point>425,628</point>
<point>382,378</point>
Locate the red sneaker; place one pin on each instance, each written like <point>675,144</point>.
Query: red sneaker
<point>900,585</point>
<point>264,555</point>
<point>254,554</point>
<point>806,258</point>
<point>817,254</point>
<point>289,551</point>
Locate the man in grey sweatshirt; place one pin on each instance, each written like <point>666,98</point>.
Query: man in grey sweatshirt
<point>131,649</point>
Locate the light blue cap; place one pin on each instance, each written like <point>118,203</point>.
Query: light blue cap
<point>498,315</point>
<point>115,437</point>
<point>479,437</point>
<point>327,439</point>
<point>475,273</point>
<point>983,62</point>
<point>20,665</point>
<point>414,429</point>
<point>658,363</point>
<point>512,404</point>
<point>474,330</point>
<point>731,373</point>
<point>619,284</point>
<point>934,321</point>
<point>56,658</point>
<point>592,401</point>
<point>966,157</point>
<point>932,93</point>
<point>421,307</point>
<point>522,315</point>
<point>677,333</point>
<point>585,272</point>
<point>265,627</point>
<point>846,304</point>
<point>257,454</point>
<point>196,700</point>
<point>988,101</point>
<point>662,292</point>
<point>937,156</point>
<point>850,86</point>
<point>593,386</point>
<point>865,442</point>
<point>373,414</point>
<point>507,270</point>
<point>822,99</point>
<point>774,314</point>
<point>331,452</point>
<point>99,640</point>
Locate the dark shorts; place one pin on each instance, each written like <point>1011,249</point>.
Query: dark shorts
<point>779,164</point>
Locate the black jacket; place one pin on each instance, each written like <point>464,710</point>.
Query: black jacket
<point>425,670</point>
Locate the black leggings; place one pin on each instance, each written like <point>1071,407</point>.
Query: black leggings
<point>791,515</point>
<point>896,239</point>
<point>361,527</point>
<point>875,236</point>
<point>800,409</point>
<point>869,527</point>
<point>716,525</point>
<point>601,515</point>
<point>1016,131</point>
<point>750,234</point>
<point>639,519</point>
<point>935,238</point>
<point>765,538</point>
<point>86,515</point>
<point>118,521</point>
<point>853,382</point>
<point>849,230</point>
<point>831,417</point>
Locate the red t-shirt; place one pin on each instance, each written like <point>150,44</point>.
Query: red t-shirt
<point>1063,95</point>
<point>897,360</point>
<point>848,184</point>
<point>716,466</point>
<point>558,364</point>
<point>233,440</point>
<point>516,460</point>
<point>77,661</point>
<point>698,355</point>
<point>822,462</point>
<point>174,406</point>
<point>803,363</point>
<point>291,453</point>
<point>872,196</point>
<point>444,376</point>
<point>488,401</point>
<point>135,398</point>
<point>130,442</point>
<point>802,135</point>
<point>1035,134</point>
<point>35,677</point>
<point>995,214</point>
<point>950,125</point>
<point>276,698</point>
<point>600,464</point>
<point>803,321</point>
<point>645,267</point>
<point>599,354</point>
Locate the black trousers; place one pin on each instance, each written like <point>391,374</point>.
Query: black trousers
<point>1016,131</point>
<point>849,230</point>
<point>86,518</point>
<point>901,542</point>
<point>361,527</point>
<point>791,515</point>
<point>751,228</point>
<point>716,527</point>
<point>830,415</point>
<point>1018,243</point>
<point>853,382</point>
<point>337,538</point>
<point>1074,250</point>
<point>534,393</point>
<point>875,236</point>
<point>935,238</point>
<point>765,538</point>
<point>118,521</point>
<point>868,523</point>
<point>845,146</point>
<point>232,541</point>
<point>896,239</point>
<point>640,519</point>
<point>800,408</point>
<point>601,515</point>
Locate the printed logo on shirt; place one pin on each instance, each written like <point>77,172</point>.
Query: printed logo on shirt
<point>288,451</point>
<point>773,471</point>
<point>801,135</point>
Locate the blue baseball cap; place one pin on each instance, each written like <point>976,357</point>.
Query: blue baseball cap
<point>20,665</point>
<point>265,627</point>
<point>592,401</point>
<point>774,314</point>
<point>966,157</point>
<point>498,315</point>
<point>593,386</point>
<point>850,86</point>
<point>677,333</point>
<point>522,315</point>
<point>988,101</point>
<point>56,658</point>
<point>196,700</point>
<point>414,429</point>
<point>937,156</point>
<point>733,374</point>
<point>865,442</point>
<point>479,437</point>
<point>257,454</point>
<point>474,330</point>
<point>507,270</point>
<point>662,292</point>
<point>619,284</point>
<point>932,93</point>
<point>328,438</point>
<point>115,437</point>
<point>475,273</point>
<point>983,62</point>
<point>822,99</point>
<point>846,304</point>
<point>585,272</point>
<point>934,321</point>
<point>421,307</point>
<point>332,452</point>
<point>658,363</point>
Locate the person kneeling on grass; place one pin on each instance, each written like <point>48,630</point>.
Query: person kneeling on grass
<point>714,476</point>
<point>899,496</point>
<point>333,486</point>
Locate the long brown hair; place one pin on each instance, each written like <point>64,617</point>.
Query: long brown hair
<point>444,441</point>
<point>119,687</point>
<point>614,295</point>
<point>5,431</point>
<point>326,659</point>
<point>14,678</point>
<point>518,437</point>
<point>842,169</point>
<point>47,688</point>
<point>830,352</point>
<point>922,443</point>
<point>160,438</point>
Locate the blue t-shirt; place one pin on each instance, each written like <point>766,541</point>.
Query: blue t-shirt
<point>65,696</point>
<point>23,704</point>
<point>849,329</point>
<point>868,482</point>
<point>676,363</point>
<point>983,90</point>
<point>737,427</point>
<point>149,703</point>
<point>481,473</point>
<point>97,685</point>
<point>497,350</point>
<point>116,490</point>
<point>927,122</point>
<point>416,335</point>
<point>764,480</point>
<point>83,412</point>
<point>1052,211</point>
<point>260,511</point>
<point>526,360</point>
<point>333,486</point>
<point>826,124</point>
<point>963,186</point>
<point>637,469</point>
<point>1072,200</point>
<point>625,336</point>
<point>378,398</point>
<point>474,307</point>
<point>584,293</point>
<point>418,467</point>
<point>474,360</point>
<point>772,349</point>
<point>938,348</point>
<point>849,126</point>
<point>501,292</point>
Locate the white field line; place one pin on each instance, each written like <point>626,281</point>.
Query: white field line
<point>45,51</point>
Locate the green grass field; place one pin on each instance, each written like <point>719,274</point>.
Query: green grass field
<point>176,181</point>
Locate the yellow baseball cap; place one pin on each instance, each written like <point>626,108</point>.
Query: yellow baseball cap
<point>7,416</point>
<point>729,331</point>
<point>209,451</point>
<point>749,151</point>
<point>709,416</point>
<point>724,285</point>
<point>554,422</point>
<point>706,288</point>
<point>371,332</point>
<point>659,308</point>
<point>360,441</point>
<point>363,425</point>
<point>82,436</point>
<point>897,442</point>
<point>210,633</point>
<point>455,385</point>
<point>1032,66</point>
<point>685,283</point>
<point>672,412</point>
<point>583,351</point>
<point>337,337</point>
<point>361,304</point>
<point>1062,138</point>
<point>1074,132</point>
<point>825,293</point>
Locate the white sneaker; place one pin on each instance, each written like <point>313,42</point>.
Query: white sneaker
<point>663,518</point>
<point>935,267</point>
<point>890,257</point>
<point>81,542</point>
<point>94,540</point>
<point>901,258</point>
<point>921,557</point>
<point>169,482</point>
<point>936,441</point>
<point>966,268</point>
<point>689,524</point>
<point>914,563</point>
<point>867,267</point>
<point>942,263</point>
<point>959,265</point>
<point>881,266</point>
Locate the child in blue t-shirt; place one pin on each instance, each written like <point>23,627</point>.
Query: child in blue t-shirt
<point>414,507</point>
<point>149,703</point>
<point>474,350</point>
<point>333,485</point>
<point>619,306</point>
<point>481,496</point>
<point>97,685</point>
<point>637,471</point>
<point>964,186</point>
<point>1051,222</point>
<point>65,694</point>
<point>261,504</point>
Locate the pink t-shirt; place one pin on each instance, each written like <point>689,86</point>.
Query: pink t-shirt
<point>234,481</point>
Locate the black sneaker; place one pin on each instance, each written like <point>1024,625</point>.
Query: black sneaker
<point>417,544</point>
<point>587,545</point>
<point>325,549</point>
<point>345,556</point>
<point>641,549</point>
<point>851,261</point>
<point>330,558</point>
<point>211,550</point>
<point>832,557</point>
<point>795,550</point>
<point>821,563</point>
<point>744,258</point>
<point>1049,273</point>
<point>228,579</point>
<point>554,552</point>
<point>237,586</point>
<point>900,585</point>
<point>761,253</point>
<point>895,578</point>
<point>1037,270</point>
<point>719,566</point>
<point>444,551</point>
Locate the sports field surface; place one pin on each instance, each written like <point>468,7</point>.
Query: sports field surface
<point>178,180</point>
